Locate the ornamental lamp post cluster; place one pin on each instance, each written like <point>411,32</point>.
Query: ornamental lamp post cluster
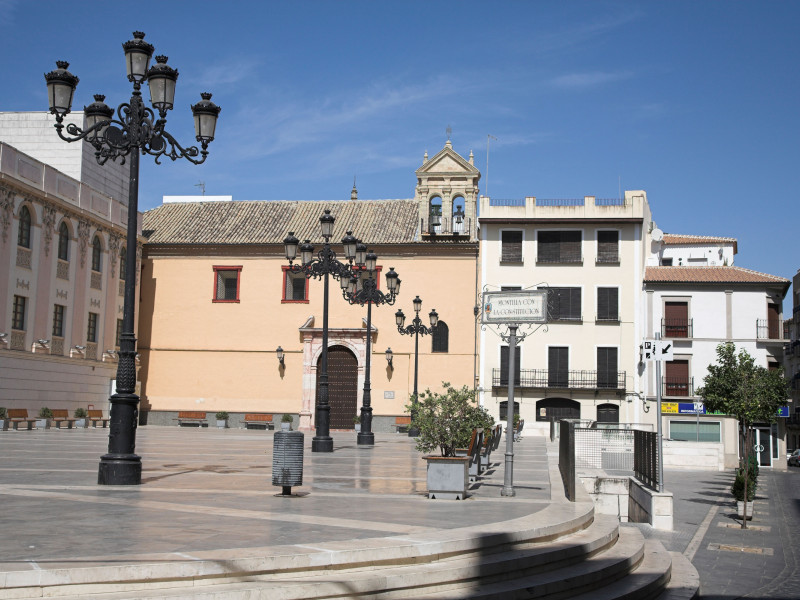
<point>363,289</point>
<point>323,266</point>
<point>135,130</point>
<point>416,328</point>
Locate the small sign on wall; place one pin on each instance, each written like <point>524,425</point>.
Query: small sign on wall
<point>388,395</point>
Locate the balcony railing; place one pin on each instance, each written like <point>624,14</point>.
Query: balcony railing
<point>772,330</point>
<point>578,380</point>
<point>677,386</point>
<point>676,328</point>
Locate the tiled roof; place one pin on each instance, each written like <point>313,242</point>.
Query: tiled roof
<point>708,275</point>
<point>675,239</point>
<point>269,222</point>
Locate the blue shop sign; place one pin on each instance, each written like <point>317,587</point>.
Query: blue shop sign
<point>783,411</point>
<point>691,408</point>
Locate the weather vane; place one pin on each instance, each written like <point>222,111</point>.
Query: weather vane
<point>449,132</point>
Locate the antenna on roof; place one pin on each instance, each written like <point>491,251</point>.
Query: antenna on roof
<point>202,186</point>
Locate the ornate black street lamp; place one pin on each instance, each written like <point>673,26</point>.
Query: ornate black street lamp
<point>321,267</point>
<point>363,289</point>
<point>134,130</point>
<point>416,328</point>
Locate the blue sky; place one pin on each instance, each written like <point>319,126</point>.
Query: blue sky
<point>695,102</point>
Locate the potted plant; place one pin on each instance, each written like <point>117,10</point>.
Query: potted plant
<point>3,418</point>
<point>357,423</point>
<point>445,422</point>
<point>286,422</point>
<point>222,419</point>
<point>80,417</point>
<point>737,489</point>
<point>45,415</point>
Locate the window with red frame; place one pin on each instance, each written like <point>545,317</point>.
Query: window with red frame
<point>226,284</point>
<point>295,287</point>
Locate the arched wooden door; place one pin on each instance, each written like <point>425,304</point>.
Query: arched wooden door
<point>342,386</point>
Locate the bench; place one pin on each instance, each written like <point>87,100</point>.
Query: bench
<point>474,453</point>
<point>61,415</point>
<point>401,424</point>
<point>192,418</point>
<point>96,416</point>
<point>491,442</point>
<point>257,420</point>
<point>20,415</point>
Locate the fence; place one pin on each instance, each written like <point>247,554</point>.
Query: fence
<point>607,449</point>
<point>645,452</point>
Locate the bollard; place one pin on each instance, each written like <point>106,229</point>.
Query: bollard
<point>287,460</point>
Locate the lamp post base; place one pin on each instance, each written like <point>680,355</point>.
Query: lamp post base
<point>322,444</point>
<point>366,438</point>
<point>120,469</point>
<point>508,492</point>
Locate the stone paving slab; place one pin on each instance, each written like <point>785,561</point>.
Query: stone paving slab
<point>209,490</point>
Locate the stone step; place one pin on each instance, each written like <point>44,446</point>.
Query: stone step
<point>154,575</point>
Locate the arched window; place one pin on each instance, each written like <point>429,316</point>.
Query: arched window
<point>557,408</point>
<point>24,237</point>
<point>458,218</point>
<point>435,215</point>
<point>441,337</point>
<point>96,254</point>
<point>123,263</point>
<point>608,413</point>
<point>63,241</point>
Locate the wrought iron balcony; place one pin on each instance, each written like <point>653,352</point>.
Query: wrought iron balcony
<point>676,328</point>
<point>569,380</point>
<point>772,330</point>
<point>677,386</point>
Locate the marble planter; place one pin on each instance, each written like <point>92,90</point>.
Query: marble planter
<point>447,477</point>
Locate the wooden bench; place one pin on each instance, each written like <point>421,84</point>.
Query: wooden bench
<point>402,423</point>
<point>95,416</point>
<point>474,453</point>
<point>491,442</point>
<point>192,417</point>
<point>61,415</point>
<point>20,415</point>
<point>257,420</point>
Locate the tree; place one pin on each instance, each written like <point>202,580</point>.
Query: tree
<point>445,420</point>
<point>736,386</point>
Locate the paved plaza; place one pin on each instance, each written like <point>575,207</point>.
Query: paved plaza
<point>208,492</point>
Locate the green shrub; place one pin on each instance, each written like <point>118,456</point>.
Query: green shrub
<point>445,420</point>
<point>45,413</point>
<point>737,489</point>
<point>222,416</point>
<point>3,412</point>
<point>357,419</point>
<point>80,413</point>
<point>287,418</point>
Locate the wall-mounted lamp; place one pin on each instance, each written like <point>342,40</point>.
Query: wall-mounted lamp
<point>80,348</point>
<point>279,354</point>
<point>389,357</point>
<point>43,343</point>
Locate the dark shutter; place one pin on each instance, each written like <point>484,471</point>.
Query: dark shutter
<point>559,246</point>
<point>571,246</point>
<point>676,319</point>
<point>440,338</point>
<point>607,368</point>
<point>511,250</point>
<point>548,246</point>
<point>773,326</point>
<point>298,288</point>
<point>504,365</point>
<point>607,304</point>
<point>564,304</point>
<point>608,246</point>
<point>677,378</point>
<point>558,366</point>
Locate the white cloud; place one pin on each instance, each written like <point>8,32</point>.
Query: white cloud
<point>576,81</point>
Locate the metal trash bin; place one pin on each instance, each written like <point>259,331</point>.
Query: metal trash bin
<point>287,460</point>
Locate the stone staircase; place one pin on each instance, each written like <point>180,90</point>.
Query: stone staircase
<point>562,551</point>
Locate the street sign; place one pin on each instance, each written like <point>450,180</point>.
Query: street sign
<point>698,407</point>
<point>657,350</point>
<point>518,306</point>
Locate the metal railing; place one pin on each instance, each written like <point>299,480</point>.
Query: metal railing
<point>544,378</point>
<point>559,202</point>
<point>772,330</point>
<point>506,201</point>
<point>677,386</point>
<point>676,328</point>
<point>605,448</point>
<point>645,458</point>
<point>446,226</point>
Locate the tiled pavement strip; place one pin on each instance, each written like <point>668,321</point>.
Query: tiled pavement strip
<point>210,489</point>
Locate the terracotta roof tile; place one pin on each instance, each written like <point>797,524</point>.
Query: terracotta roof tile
<point>708,275</point>
<point>269,222</point>
<point>676,239</point>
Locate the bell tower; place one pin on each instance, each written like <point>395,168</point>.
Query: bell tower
<point>447,195</point>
